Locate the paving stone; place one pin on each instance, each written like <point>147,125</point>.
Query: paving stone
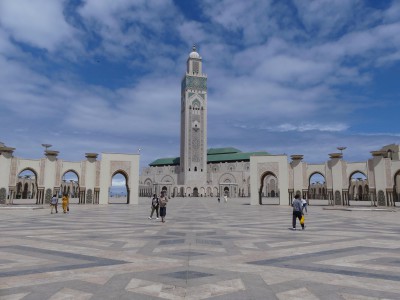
<point>205,250</point>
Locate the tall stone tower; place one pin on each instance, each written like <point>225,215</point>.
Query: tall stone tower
<point>193,158</point>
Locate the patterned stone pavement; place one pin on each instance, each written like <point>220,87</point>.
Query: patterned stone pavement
<point>205,250</point>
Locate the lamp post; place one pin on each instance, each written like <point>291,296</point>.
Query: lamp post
<point>341,149</point>
<point>46,146</point>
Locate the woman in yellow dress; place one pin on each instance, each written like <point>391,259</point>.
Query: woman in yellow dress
<point>65,203</point>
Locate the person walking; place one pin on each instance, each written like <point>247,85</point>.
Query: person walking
<point>297,212</point>
<point>65,203</point>
<point>304,205</point>
<point>154,206</point>
<point>163,206</point>
<point>219,200</point>
<point>226,198</point>
<point>54,203</point>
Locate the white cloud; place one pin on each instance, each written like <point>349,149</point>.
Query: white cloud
<point>127,28</point>
<point>281,83</point>
<point>39,23</point>
<point>326,17</point>
<point>302,127</point>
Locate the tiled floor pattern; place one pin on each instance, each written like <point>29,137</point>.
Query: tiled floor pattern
<point>205,250</point>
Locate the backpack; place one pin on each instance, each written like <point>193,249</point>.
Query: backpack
<point>154,201</point>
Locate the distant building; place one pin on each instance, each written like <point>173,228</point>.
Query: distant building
<point>198,172</point>
<point>201,172</point>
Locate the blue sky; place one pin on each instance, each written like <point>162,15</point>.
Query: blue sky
<point>294,77</point>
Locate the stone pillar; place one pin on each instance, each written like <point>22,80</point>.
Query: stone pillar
<point>335,165</point>
<point>6,154</point>
<point>380,176</point>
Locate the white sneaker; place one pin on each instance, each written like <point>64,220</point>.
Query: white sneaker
<point>293,228</point>
<point>157,218</point>
<point>150,218</point>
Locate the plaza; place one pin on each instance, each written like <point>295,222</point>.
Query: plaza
<point>205,250</point>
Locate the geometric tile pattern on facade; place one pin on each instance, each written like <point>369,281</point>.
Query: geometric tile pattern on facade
<point>205,250</point>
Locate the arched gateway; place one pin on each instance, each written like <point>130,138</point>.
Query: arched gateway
<point>35,181</point>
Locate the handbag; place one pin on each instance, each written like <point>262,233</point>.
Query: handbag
<point>302,220</point>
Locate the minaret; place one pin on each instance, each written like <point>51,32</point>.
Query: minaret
<point>193,159</point>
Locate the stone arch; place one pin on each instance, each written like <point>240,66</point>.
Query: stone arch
<point>188,191</point>
<point>271,186</point>
<point>196,104</point>
<point>72,171</point>
<point>209,192</point>
<point>202,192</point>
<point>396,187</point>
<point>357,171</point>
<point>227,178</point>
<point>356,187</point>
<point>168,178</point>
<point>317,189</point>
<point>126,177</point>
<point>26,185</point>
<point>226,191</point>
<point>261,183</point>
<point>195,192</point>
<point>72,186</point>
<point>148,182</point>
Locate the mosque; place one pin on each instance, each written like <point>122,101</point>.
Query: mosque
<point>215,172</point>
<point>199,171</point>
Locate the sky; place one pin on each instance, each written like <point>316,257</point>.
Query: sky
<point>288,76</point>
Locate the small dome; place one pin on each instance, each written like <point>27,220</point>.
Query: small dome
<point>194,53</point>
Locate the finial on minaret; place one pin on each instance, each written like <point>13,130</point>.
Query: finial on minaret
<point>194,47</point>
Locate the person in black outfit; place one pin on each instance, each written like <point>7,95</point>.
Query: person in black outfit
<point>155,203</point>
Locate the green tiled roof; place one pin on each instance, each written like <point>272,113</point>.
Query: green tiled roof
<point>214,151</point>
<point>239,156</point>
<point>165,162</point>
<point>214,155</point>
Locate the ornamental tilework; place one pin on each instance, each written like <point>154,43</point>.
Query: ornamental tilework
<point>41,175</point>
<point>83,177</point>
<point>338,198</point>
<point>195,83</point>
<point>389,179</point>
<point>344,175</point>
<point>58,173</point>
<point>97,173</point>
<point>371,175</point>
<point>381,198</point>
<point>13,173</point>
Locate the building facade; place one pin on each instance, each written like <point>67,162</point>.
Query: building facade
<point>46,177</point>
<point>263,177</point>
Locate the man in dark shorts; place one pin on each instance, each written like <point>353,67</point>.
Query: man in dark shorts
<point>297,211</point>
